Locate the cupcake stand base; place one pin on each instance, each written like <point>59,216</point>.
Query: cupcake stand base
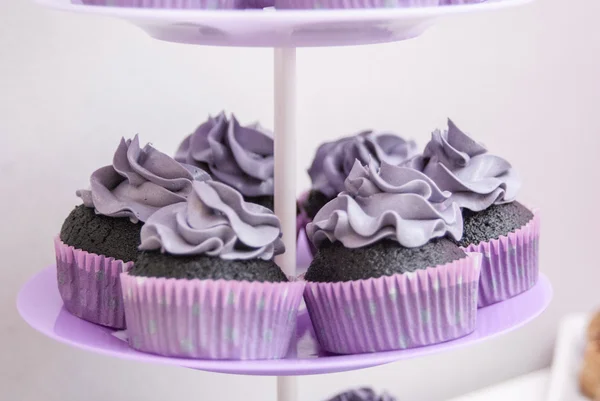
<point>39,302</point>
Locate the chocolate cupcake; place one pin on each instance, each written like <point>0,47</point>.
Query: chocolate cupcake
<point>362,394</point>
<point>99,239</point>
<point>485,186</point>
<point>206,285</point>
<point>383,262</point>
<point>239,156</point>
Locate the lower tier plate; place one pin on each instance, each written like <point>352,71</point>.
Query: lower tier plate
<point>39,303</point>
<point>284,28</point>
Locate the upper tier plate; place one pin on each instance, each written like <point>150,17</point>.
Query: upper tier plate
<point>294,28</point>
<point>41,306</point>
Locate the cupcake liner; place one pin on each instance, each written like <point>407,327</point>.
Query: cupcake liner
<point>337,4</point>
<point>259,3</point>
<point>182,4</point>
<point>210,319</point>
<point>510,264</point>
<point>90,286</point>
<point>407,310</point>
<point>459,2</point>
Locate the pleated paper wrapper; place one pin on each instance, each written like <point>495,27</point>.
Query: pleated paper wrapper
<point>211,319</point>
<point>341,4</point>
<point>510,264</point>
<point>177,4</point>
<point>402,311</point>
<point>90,285</point>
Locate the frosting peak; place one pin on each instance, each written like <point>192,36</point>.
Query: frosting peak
<point>362,394</point>
<point>139,182</point>
<point>240,156</point>
<point>335,159</point>
<point>215,221</point>
<point>457,163</point>
<point>396,203</point>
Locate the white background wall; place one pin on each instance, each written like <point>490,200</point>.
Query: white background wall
<point>524,81</point>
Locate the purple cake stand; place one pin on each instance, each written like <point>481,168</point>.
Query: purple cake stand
<point>283,28</point>
<point>39,303</point>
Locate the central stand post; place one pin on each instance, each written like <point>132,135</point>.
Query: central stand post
<point>285,177</point>
<point>285,154</point>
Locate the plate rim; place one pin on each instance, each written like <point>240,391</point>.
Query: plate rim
<point>299,16</point>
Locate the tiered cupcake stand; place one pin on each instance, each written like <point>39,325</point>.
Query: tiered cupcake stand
<point>39,302</point>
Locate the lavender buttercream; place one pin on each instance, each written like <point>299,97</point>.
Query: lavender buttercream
<point>390,202</point>
<point>240,156</point>
<point>139,182</point>
<point>334,160</point>
<point>215,221</point>
<point>457,163</point>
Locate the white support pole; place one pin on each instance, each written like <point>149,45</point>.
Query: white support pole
<point>287,389</point>
<point>285,177</point>
<point>285,154</point>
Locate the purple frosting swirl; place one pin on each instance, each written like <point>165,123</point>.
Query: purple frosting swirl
<point>334,160</point>
<point>362,394</point>
<point>215,221</point>
<point>139,182</point>
<point>240,156</point>
<point>462,166</point>
<point>397,203</point>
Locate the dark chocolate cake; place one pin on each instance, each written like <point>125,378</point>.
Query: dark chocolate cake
<point>155,264</point>
<point>314,202</point>
<point>334,262</point>
<point>114,237</point>
<point>493,222</point>
<point>267,201</point>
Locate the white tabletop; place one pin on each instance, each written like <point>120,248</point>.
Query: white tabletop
<point>530,387</point>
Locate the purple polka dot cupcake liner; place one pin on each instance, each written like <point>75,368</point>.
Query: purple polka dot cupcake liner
<point>90,285</point>
<point>174,4</point>
<point>402,311</point>
<point>339,4</point>
<point>510,264</point>
<point>210,319</point>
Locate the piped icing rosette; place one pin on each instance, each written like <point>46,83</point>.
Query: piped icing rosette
<point>362,394</point>
<point>215,221</point>
<point>458,164</point>
<point>139,182</point>
<point>390,202</point>
<point>240,156</point>
<point>334,160</point>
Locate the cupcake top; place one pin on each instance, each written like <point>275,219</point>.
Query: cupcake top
<point>396,203</point>
<point>362,394</point>
<point>139,182</point>
<point>240,156</point>
<point>334,160</point>
<point>215,221</point>
<point>458,164</point>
